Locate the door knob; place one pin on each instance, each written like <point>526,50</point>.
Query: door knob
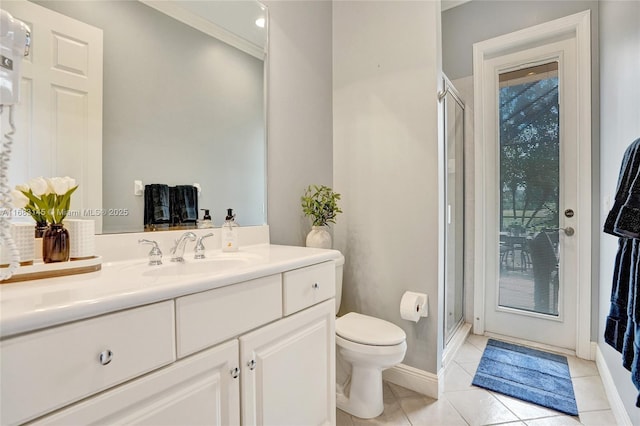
<point>569,231</point>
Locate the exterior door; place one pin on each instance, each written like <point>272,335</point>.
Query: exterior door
<point>59,117</point>
<point>532,194</point>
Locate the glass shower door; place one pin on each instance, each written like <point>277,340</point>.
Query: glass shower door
<point>454,214</point>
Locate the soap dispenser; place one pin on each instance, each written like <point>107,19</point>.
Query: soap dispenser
<point>230,232</point>
<point>206,221</point>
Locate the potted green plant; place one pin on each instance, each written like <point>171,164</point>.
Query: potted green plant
<point>321,204</point>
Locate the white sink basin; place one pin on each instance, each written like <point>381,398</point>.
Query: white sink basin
<point>195,267</point>
<point>212,265</point>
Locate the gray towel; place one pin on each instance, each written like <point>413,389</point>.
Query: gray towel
<point>184,204</point>
<point>628,174</point>
<point>156,204</point>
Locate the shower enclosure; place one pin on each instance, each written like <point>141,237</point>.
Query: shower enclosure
<point>454,213</point>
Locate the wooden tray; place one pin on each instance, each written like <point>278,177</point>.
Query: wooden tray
<point>40,270</point>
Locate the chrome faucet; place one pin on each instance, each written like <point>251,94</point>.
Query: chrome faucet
<point>199,250</point>
<point>177,251</point>
<point>155,255</point>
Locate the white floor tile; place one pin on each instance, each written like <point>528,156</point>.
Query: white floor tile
<point>392,414</point>
<point>343,419</point>
<point>479,407</point>
<point>525,410</point>
<point>401,392</point>
<point>463,403</point>
<point>598,418</point>
<point>581,367</point>
<point>429,411</point>
<point>478,341</point>
<point>590,394</point>
<point>553,421</point>
<point>456,378</point>
<point>469,367</point>
<point>468,353</point>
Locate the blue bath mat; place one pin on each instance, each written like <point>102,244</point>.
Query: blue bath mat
<point>527,374</point>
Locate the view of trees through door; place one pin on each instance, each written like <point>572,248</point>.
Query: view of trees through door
<point>529,123</point>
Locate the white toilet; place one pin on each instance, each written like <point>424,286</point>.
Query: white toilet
<point>364,347</point>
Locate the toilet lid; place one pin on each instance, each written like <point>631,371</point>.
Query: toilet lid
<point>368,330</point>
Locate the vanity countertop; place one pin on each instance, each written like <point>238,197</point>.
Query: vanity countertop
<point>32,305</point>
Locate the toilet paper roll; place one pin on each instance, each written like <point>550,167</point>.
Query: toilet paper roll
<point>413,306</point>
<point>81,238</point>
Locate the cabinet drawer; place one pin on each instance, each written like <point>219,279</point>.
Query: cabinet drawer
<point>207,318</point>
<point>199,390</point>
<point>307,286</point>
<point>45,370</point>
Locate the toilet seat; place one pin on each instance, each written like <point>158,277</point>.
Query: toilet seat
<point>366,330</point>
<point>371,350</point>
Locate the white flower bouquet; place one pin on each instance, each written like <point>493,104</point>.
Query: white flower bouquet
<point>47,200</point>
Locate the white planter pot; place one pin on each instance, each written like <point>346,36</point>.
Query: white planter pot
<point>319,237</point>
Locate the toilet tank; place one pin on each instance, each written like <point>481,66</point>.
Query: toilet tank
<point>339,270</point>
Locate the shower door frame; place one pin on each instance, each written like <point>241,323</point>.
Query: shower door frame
<point>449,89</point>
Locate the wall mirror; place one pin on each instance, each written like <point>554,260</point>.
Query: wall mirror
<point>177,97</point>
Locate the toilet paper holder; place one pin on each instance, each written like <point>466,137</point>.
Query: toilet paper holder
<point>414,306</point>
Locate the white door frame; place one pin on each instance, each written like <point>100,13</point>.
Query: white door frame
<point>577,25</point>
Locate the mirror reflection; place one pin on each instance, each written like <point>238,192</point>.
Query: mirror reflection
<point>133,94</point>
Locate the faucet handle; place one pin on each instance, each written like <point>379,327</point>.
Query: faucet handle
<point>155,255</point>
<point>200,247</point>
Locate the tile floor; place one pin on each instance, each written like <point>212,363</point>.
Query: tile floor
<point>464,404</point>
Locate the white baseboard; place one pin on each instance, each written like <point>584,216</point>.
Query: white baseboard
<point>415,379</point>
<point>617,406</point>
<point>429,384</point>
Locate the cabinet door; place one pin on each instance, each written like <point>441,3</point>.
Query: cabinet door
<point>288,370</point>
<point>201,389</point>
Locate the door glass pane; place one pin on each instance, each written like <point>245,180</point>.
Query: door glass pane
<point>529,189</point>
<point>454,281</point>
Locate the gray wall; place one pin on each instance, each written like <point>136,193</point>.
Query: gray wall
<point>387,163</point>
<point>480,20</point>
<point>620,125</point>
<point>179,107</point>
<point>300,123</point>
<point>476,21</point>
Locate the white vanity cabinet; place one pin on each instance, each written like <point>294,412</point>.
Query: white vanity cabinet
<point>256,352</point>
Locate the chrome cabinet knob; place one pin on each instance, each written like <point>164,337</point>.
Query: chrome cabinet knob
<point>235,372</point>
<point>105,357</point>
<point>315,286</point>
<point>251,364</point>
